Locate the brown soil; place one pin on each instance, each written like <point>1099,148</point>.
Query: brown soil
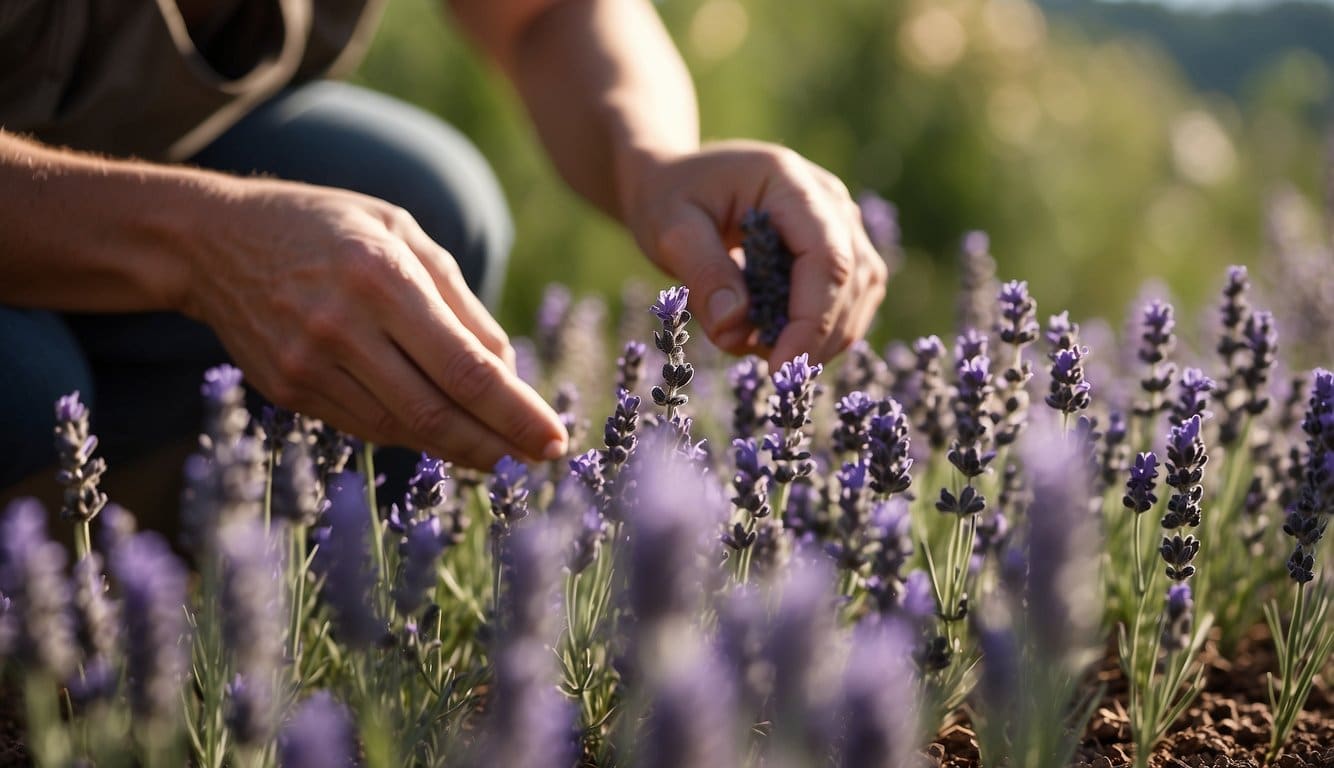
<point>1227,727</point>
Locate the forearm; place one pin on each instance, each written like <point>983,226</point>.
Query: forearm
<point>606,89</point>
<point>85,233</point>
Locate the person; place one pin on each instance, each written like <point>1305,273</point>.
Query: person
<point>184,182</point>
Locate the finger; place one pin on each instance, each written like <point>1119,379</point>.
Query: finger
<point>823,266</point>
<point>444,270</point>
<point>436,341</point>
<point>690,248</point>
<point>413,408</point>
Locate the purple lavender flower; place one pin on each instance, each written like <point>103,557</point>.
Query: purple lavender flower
<point>254,618</point>
<point>790,410</point>
<point>587,469</point>
<point>751,482</point>
<point>1158,322</point>
<point>862,371</point>
<point>768,275</point>
<point>619,434</point>
<point>1308,514</point>
<point>225,476</point>
<point>919,597</point>
<point>1186,457</point>
<point>419,550</point>
<point>79,472</point>
<point>888,449</point>
<point>890,530</point>
<point>1262,345</point>
<point>98,620</point>
<point>690,721</point>
<point>968,453</point>
<point>32,580</point>
<point>747,379</point>
<point>671,310</point>
<point>932,414</point>
<point>319,735</point>
<point>1115,459</point>
<point>1139,488</point>
<point>508,492</point>
<point>630,366</point>
<point>1193,397</point>
<point>343,559</point>
<point>1018,325</point>
<point>152,585</point>
<point>1069,391</point>
<point>854,411</point>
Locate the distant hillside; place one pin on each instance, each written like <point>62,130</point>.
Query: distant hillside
<point>1218,50</point>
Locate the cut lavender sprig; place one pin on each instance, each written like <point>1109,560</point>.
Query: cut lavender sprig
<point>768,275</point>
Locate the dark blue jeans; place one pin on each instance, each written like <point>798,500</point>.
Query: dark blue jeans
<point>140,373</point>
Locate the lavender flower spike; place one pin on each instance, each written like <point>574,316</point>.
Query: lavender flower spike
<point>79,472</point>
<point>508,493</point>
<point>153,589</point>
<point>1308,515</point>
<point>790,410</point>
<point>254,618</point>
<point>1139,488</point>
<point>747,379</point>
<point>319,735</point>
<point>1193,397</point>
<point>877,699</point>
<point>37,623</point>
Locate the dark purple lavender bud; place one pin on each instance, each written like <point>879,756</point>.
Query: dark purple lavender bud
<point>747,379</point>
<point>969,502</point>
<point>807,515</point>
<point>254,619</point>
<point>1262,348</point>
<point>1186,457</point>
<point>619,434</point>
<point>768,275</point>
<point>1018,325</point>
<point>32,579</point>
<point>881,220</point>
<point>630,366</point>
<point>296,488</point>
<point>1309,512</point>
<point>931,412</point>
<point>329,449</point>
<point>970,344</point>
<point>1178,553</point>
<point>587,540</point>
<point>1193,396</point>
<point>862,371</point>
<point>968,453</point>
<point>1178,617</point>
<point>319,735</point>
<point>344,561</point>
<point>751,482</point>
<point>587,469</point>
<point>1062,591</point>
<point>671,311</point>
<point>508,492</point>
<point>691,714</point>
<point>551,330</point>
<point>79,472</point>
<point>888,448</point>
<point>1061,333</point>
<point>1139,488</point>
<point>1069,392</point>
<point>854,411</point>
<point>977,282</point>
<point>1158,341</point>
<point>877,701</point>
<point>152,585</point>
<point>790,410</point>
<point>849,526</point>
<point>1233,313</point>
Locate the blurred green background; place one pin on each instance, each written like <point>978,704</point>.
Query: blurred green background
<point>1099,144</point>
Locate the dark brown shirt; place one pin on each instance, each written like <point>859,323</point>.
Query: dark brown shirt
<point>160,79</point>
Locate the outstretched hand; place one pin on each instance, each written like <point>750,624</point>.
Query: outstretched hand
<point>686,214</point>
<point>338,305</point>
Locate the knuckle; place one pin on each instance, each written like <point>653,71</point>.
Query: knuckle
<point>470,374</point>
<point>326,325</point>
<point>297,367</point>
<point>840,265</point>
<point>427,419</point>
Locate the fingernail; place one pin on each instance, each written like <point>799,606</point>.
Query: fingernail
<point>554,450</point>
<point>722,303</point>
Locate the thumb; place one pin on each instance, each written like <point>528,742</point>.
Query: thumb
<point>690,248</point>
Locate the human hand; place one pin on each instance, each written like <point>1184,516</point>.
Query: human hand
<point>686,214</point>
<point>338,305</point>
